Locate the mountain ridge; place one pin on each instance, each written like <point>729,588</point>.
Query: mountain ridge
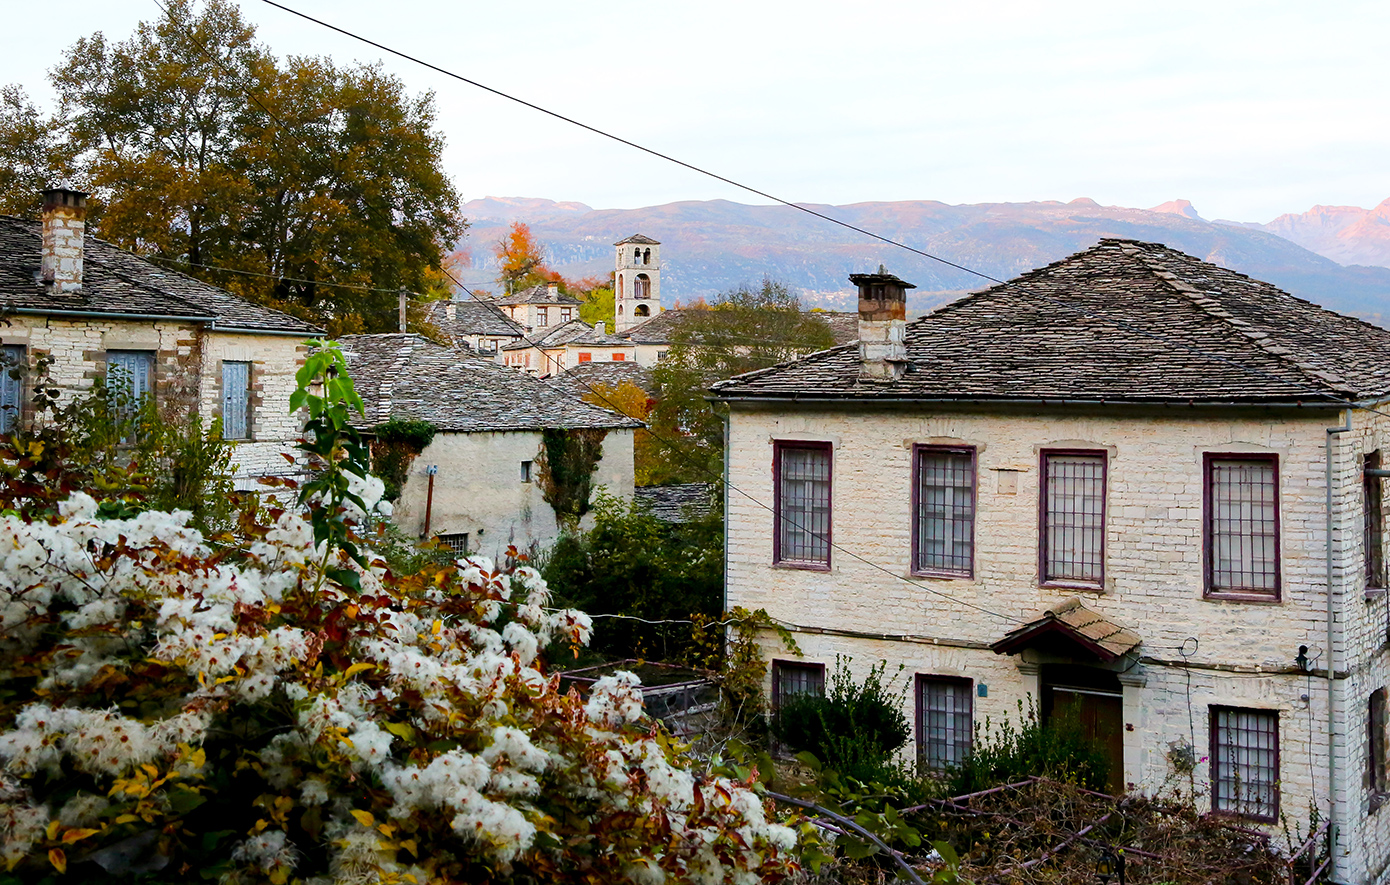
<point>712,245</point>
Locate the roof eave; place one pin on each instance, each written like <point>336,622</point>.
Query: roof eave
<point>1030,401</point>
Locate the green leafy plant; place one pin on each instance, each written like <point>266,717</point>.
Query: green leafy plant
<point>854,728</point>
<point>395,445</point>
<point>565,470</point>
<point>1006,753</point>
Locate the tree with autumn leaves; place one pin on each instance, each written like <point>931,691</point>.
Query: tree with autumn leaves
<point>204,151</point>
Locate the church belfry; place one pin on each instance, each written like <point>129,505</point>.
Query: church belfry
<point>636,282</point>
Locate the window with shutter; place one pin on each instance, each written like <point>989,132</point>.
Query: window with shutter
<point>236,400</point>
<point>13,361</point>
<point>130,380</point>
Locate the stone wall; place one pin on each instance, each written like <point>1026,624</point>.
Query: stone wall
<point>479,489</point>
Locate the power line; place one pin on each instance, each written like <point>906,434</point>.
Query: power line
<point>271,276</point>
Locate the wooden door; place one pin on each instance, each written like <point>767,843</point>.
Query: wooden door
<point>1093,697</point>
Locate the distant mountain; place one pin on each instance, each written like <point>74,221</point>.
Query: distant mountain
<point>711,246</point>
<point>1346,234</point>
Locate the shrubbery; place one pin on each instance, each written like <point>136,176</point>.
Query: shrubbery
<point>285,706</point>
<point>854,728</point>
<point>1057,748</point>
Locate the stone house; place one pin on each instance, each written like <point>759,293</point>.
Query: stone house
<point>475,486</point>
<point>538,308</point>
<point>479,325</point>
<point>652,338</point>
<point>1128,485</point>
<point>564,347</point>
<point>195,348</point>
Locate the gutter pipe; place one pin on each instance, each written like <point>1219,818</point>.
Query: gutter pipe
<point>1331,668</point>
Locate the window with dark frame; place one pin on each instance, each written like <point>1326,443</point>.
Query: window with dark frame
<point>456,543</point>
<point>525,471</point>
<point>1245,762</point>
<point>944,721</point>
<point>1242,524</point>
<point>792,678</point>
<point>236,400</point>
<point>802,487</point>
<point>944,529</point>
<point>1375,749</point>
<point>1373,510</point>
<point>1073,518</point>
<point>13,361</point>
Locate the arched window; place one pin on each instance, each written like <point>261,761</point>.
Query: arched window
<point>641,310</point>
<point>619,291</point>
<point>647,257</point>
<point>642,286</point>
<point>620,310</point>
<point>636,256</point>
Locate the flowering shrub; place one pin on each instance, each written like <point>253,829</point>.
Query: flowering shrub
<point>251,713</point>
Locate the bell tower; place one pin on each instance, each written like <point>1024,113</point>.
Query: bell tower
<point>636,282</point>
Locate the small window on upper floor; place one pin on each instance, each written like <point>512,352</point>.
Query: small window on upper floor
<point>542,316</point>
<point>1373,523</point>
<point>526,471</point>
<point>801,488</point>
<point>566,314</point>
<point>1242,526</point>
<point>1072,534</point>
<point>944,526</point>
<point>619,357</point>
<point>585,357</point>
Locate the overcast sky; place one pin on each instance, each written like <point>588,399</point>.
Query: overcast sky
<point>1249,110</point>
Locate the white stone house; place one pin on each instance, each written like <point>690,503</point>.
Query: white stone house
<point>564,347</point>
<point>1103,485</point>
<point>477,324</point>
<point>475,485</point>
<point>538,308</point>
<point>193,347</point>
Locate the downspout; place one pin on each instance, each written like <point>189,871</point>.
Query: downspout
<point>728,433</point>
<point>1331,658</point>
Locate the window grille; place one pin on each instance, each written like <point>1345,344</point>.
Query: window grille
<point>1373,510</point>
<point>792,678</point>
<point>945,511</point>
<point>1242,525</point>
<point>13,362</point>
<point>1245,762</point>
<point>236,400</point>
<point>803,503</point>
<point>1073,536</point>
<point>944,723</point>
<point>457,544</point>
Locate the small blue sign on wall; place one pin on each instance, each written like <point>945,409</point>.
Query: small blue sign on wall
<point>982,690</point>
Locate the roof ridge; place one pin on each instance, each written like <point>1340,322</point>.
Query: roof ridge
<point>1209,302</point>
<point>805,357</point>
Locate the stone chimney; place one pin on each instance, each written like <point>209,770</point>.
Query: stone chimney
<point>64,225</point>
<point>882,324</point>
<point>450,312</point>
<point>553,291</point>
<point>600,329</point>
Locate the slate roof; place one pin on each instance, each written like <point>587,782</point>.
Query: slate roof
<point>409,376</point>
<point>844,327</point>
<point>472,317</point>
<point>1123,321</point>
<point>638,240</point>
<point>572,332</point>
<point>1076,623</point>
<point>537,295</point>
<point>607,373</point>
<point>681,502</point>
<point>117,282</point>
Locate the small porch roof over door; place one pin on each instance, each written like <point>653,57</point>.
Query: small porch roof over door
<point>1073,629</point>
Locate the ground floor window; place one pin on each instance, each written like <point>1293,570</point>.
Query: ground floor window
<point>944,721</point>
<point>1245,762</point>
<point>791,678</point>
<point>456,543</point>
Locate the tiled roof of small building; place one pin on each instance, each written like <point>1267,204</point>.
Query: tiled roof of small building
<point>637,240</point>
<point>118,282</point>
<point>606,373</point>
<point>681,502</point>
<point>572,332</point>
<point>409,376</point>
<point>1123,321</point>
<point>472,317</point>
<point>844,327</point>
<point>537,295</point>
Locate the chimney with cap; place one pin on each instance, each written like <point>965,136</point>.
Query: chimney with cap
<point>64,225</point>
<point>600,329</point>
<point>882,324</point>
